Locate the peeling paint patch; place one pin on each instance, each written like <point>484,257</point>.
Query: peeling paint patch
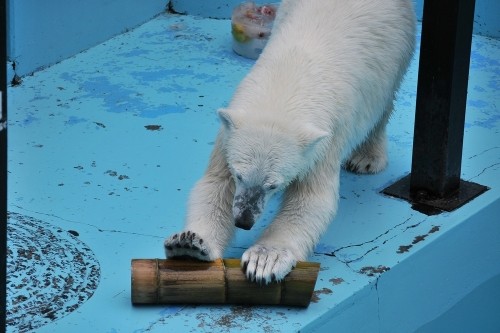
<point>117,98</point>
<point>404,248</point>
<point>113,173</point>
<point>325,248</point>
<point>371,270</point>
<point>324,291</point>
<point>336,281</point>
<point>417,239</point>
<point>30,119</point>
<point>72,120</point>
<point>153,127</point>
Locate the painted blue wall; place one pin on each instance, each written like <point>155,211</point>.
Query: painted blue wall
<point>487,22</point>
<point>42,33</point>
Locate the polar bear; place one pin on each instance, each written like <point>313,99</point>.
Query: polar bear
<point>318,98</point>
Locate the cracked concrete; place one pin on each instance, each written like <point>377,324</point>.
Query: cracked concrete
<point>96,227</point>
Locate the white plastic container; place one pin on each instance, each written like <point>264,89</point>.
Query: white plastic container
<point>251,26</point>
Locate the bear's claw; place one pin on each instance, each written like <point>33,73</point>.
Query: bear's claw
<point>366,164</point>
<point>186,243</point>
<point>267,264</point>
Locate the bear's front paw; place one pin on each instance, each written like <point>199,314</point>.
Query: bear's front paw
<point>188,244</point>
<point>265,264</point>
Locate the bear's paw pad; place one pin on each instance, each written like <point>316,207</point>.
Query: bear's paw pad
<point>188,244</point>
<point>267,264</point>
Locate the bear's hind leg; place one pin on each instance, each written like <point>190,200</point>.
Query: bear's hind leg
<point>371,155</point>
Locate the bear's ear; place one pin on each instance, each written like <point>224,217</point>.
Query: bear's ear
<point>227,119</point>
<point>310,135</point>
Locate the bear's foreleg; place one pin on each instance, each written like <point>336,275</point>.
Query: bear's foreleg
<point>308,207</point>
<point>209,226</point>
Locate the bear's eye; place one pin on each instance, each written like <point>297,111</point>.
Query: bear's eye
<point>239,177</point>
<point>272,186</point>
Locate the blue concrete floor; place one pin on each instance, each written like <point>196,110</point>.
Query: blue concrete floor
<point>105,146</point>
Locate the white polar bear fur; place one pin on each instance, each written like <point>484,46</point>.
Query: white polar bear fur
<point>318,97</point>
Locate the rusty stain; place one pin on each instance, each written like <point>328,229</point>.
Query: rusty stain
<point>336,281</point>
<point>404,248</point>
<point>434,229</point>
<point>371,270</point>
<point>417,239</point>
<point>315,297</point>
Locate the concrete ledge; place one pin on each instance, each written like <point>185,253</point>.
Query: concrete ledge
<point>455,274</point>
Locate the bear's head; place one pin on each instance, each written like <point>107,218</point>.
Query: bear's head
<point>264,157</point>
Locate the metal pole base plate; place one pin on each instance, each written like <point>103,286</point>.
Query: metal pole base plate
<point>428,204</point>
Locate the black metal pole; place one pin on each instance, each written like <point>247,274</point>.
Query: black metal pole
<point>443,75</point>
<point>441,96</point>
<point>3,163</point>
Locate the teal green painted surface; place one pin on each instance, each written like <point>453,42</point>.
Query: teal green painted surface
<point>104,148</point>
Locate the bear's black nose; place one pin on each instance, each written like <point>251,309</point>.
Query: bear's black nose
<point>245,220</point>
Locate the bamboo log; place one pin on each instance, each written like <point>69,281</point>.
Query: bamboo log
<point>167,281</point>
